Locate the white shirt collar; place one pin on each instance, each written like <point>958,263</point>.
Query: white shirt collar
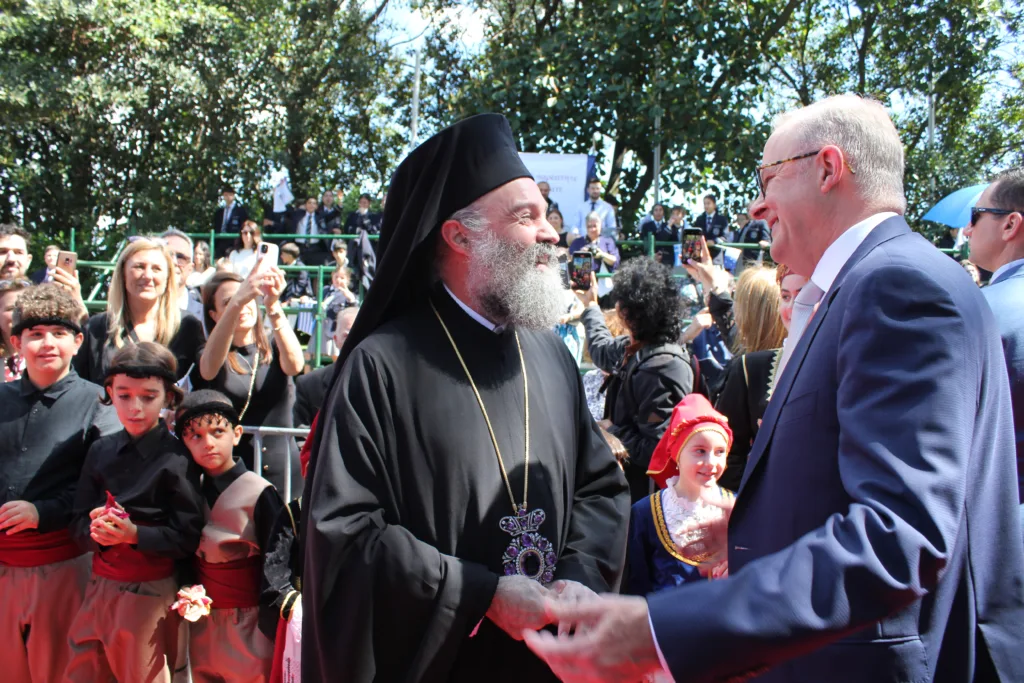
<point>1003,268</point>
<point>840,251</point>
<point>473,314</point>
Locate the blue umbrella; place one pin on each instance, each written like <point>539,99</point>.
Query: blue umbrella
<point>954,209</point>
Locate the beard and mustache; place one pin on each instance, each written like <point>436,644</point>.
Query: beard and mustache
<point>505,280</point>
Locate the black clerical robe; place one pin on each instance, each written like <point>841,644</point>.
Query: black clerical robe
<point>404,548</point>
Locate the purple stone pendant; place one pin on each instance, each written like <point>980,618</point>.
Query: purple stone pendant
<point>529,554</point>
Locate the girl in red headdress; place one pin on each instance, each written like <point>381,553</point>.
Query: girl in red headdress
<point>666,548</point>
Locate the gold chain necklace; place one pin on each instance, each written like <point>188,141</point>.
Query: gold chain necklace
<point>529,553</point>
<point>252,380</point>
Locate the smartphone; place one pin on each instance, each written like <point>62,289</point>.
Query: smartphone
<point>580,268</point>
<point>67,261</point>
<point>692,241</point>
<point>266,255</point>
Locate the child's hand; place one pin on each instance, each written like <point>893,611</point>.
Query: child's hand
<point>109,530</point>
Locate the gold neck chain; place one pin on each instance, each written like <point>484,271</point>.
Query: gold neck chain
<point>494,440</point>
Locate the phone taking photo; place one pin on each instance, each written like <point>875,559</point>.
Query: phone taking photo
<point>266,256</point>
<point>67,261</point>
<point>692,245</point>
<point>580,268</point>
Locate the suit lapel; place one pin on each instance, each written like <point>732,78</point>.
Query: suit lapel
<point>885,231</point>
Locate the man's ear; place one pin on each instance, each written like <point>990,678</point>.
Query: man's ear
<point>1014,227</point>
<point>830,167</point>
<point>456,236</point>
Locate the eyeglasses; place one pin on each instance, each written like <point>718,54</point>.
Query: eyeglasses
<point>757,171</point>
<point>182,259</point>
<point>978,210</point>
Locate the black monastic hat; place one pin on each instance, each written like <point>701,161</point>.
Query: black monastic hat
<point>446,173</point>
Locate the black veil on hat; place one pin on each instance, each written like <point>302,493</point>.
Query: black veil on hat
<point>446,173</point>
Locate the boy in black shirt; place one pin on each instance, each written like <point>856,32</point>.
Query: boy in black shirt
<point>138,508</point>
<point>48,420</point>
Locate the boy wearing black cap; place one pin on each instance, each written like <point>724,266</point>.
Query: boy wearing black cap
<point>240,509</point>
<point>48,420</point>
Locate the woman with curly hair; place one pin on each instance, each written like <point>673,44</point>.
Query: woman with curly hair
<point>649,373</point>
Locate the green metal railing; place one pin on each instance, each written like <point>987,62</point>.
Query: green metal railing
<point>323,272</point>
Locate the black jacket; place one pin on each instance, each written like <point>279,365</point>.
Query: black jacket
<point>239,215</point>
<point>641,393</point>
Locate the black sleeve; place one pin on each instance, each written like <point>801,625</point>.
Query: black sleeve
<point>720,306</point>
<point>734,403</point>
<point>595,549</point>
<point>281,564</point>
<point>88,362</point>
<point>179,538</point>
<point>656,391</point>
<point>605,350</point>
<point>88,495</point>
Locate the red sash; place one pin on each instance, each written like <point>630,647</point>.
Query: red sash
<point>232,584</point>
<point>33,549</point>
<point>124,563</point>
<point>277,665</point>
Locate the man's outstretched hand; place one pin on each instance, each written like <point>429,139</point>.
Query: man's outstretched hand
<point>520,604</point>
<point>612,642</point>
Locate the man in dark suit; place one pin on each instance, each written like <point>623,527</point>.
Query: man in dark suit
<point>228,219</point>
<point>308,220</point>
<point>50,258</point>
<point>875,535</point>
<point>714,224</point>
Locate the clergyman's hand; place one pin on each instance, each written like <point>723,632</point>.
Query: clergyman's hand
<point>520,604</point>
<point>613,641</point>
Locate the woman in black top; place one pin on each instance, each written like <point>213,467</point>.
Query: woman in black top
<point>142,305</point>
<point>250,369</point>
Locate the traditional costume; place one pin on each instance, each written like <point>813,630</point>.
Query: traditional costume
<point>410,517</point>
<point>660,554</point>
<point>240,509</point>
<point>125,629</point>
<point>45,433</point>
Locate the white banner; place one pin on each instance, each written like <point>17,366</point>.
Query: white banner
<point>565,173</point>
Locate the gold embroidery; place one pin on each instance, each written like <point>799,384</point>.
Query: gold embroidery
<point>662,529</point>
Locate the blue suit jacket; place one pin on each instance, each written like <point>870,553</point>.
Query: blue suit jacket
<point>1006,297</point>
<point>876,535</point>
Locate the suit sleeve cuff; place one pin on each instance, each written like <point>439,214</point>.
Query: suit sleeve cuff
<point>657,647</point>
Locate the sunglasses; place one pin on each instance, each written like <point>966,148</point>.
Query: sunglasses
<point>760,181</point>
<point>978,210</point>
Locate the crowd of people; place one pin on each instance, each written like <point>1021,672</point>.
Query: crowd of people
<point>145,539</point>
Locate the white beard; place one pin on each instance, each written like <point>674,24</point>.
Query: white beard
<point>505,280</point>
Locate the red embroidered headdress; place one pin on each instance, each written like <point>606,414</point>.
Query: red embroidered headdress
<point>692,415</point>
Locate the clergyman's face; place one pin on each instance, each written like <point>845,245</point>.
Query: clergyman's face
<point>513,264</point>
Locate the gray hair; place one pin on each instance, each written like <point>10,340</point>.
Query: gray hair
<point>471,217</point>
<point>593,215</point>
<point>174,232</point>
<point>865,133</point>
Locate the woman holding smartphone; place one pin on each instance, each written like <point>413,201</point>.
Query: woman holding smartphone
<point>254,371</point>
<point>243,255</point>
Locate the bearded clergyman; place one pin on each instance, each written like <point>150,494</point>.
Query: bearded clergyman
<point>459,483</point>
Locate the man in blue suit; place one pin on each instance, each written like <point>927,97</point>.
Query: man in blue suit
<point>875,536</point>
<point>996,235</point>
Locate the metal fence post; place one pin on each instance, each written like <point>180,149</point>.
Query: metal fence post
<point>257,452</point>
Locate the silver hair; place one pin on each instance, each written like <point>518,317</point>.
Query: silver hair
<point>471,217</point>
<point>174,232</point>
<point>595,215</point>
<point>865,133</point>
